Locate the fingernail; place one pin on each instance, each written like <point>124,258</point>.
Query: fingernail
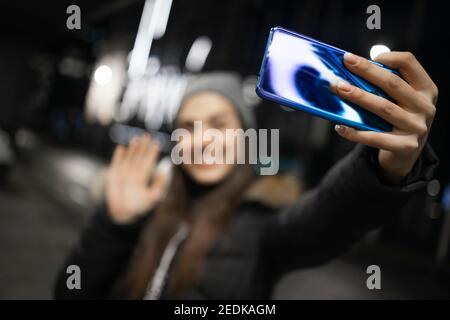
<point>134,140</point>
<point>344,86</point>
<point>339,129</point>
<point>350,58</point>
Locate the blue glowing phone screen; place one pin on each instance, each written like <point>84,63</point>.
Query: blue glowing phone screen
<point>297,72</point>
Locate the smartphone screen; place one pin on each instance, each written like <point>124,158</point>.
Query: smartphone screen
<point>297,72</point>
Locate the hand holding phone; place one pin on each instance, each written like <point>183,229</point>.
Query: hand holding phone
<point>369,95</point>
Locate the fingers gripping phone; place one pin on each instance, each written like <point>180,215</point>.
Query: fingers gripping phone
<point>297,71</point>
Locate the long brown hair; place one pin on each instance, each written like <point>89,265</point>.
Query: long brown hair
<point>208,214</point>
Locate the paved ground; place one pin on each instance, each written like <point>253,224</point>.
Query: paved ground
<point>403,276</point>
<point>35,233</point>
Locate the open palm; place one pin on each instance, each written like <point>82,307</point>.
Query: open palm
<point>129,194</point>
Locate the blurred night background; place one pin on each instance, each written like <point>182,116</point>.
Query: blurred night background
<point>67,100</point>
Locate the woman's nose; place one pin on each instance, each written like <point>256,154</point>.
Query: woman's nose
<point>200,139</point>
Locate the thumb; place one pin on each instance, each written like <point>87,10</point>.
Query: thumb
<point>161,179</point>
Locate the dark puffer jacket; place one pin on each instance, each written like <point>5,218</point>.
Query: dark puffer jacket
<point>261,244</point>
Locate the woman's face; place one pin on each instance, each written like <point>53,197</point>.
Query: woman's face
<point>214,111</point>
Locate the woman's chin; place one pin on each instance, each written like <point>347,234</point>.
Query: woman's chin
<point>208,174</point>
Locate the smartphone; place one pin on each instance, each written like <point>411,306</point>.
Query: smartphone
<point>297,71</point>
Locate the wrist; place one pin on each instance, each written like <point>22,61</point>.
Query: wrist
<point>393,170</point>
<point>391,177</point>
<point>119,216</point>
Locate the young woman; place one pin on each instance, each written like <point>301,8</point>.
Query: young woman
<point>204,238</point>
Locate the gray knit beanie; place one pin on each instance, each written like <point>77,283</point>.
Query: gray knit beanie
<point>227,84</point>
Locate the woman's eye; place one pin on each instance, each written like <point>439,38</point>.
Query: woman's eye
<point>189,126</point>
<point>219,125</point>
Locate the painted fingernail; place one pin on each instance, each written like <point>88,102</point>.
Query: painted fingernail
<point>339,129</point>
<point>351,58</point>
<point>344,86</point>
